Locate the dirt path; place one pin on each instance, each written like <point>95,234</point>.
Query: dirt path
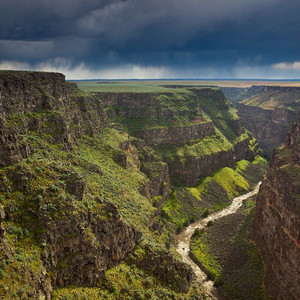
<point>183,240</point>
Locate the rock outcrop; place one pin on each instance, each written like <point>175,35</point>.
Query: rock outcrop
<point>269,127</point>
<point>80,247</point>
<point>47,211</point>
<point>199,167</point>
<point>267,111</point>
<point>196,132</point>
<point>178,274</point>
<point>44,103</point>
<point>277,219</point>
<point>177,135</point>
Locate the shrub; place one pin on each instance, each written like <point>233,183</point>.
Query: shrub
<point>205,213</point>
<point>61,197</point>
<point>210,223</point>
<point>219,282</point>
<point>186,223</point>
<point>192,220</point>
<point>164,215</point>
<point>196,233</point>
<point>54,188</point>
<point>39,200</point>
<point>179,228</point>
<point>210,274</point>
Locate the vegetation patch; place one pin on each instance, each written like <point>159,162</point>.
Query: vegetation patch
<point>213,193</point>
<point>234,262</point>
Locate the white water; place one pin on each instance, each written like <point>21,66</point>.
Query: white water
<point>183,240</point>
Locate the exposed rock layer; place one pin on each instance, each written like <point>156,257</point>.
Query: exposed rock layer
<point>277,219</point>
<point>177,135</point>
<point>184,120</point>
<point>267,111</point>
<point>63,118</point>
<point>77,244</point>
<point>81,247</point>
<point>269,127</point>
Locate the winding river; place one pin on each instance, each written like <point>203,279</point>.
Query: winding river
<point>183,240</point>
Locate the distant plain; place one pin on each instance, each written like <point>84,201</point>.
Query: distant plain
<point>148,86</point>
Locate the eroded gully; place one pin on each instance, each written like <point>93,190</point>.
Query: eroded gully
<point>183,241</point>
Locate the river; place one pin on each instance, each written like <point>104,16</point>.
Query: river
<point>184,238</point>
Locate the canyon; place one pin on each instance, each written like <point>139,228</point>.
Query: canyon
<point>95,187</point>
<point>267,111</point>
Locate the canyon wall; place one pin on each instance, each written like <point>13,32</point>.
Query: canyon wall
<point>267,111</point>
<point>82,194</point>
<point>276,225</point>
<point>196,131</point>
<point>32,101</point>
<point>75,194</point>
<point>268,126</point>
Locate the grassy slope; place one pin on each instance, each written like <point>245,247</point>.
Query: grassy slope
<point>199,148</point>
<point>115,184</point>
<point>127,282</point>
<point>185,205</point>
<point>47,190</point>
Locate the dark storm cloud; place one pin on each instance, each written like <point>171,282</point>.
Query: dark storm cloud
<point>169,33</point>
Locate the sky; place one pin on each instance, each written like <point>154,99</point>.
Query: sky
<point>145,39</point>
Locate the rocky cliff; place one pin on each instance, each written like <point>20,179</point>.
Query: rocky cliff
<point>87,209</point>
<point>158,118</point>
<point>268,126</point>
<point>39,102</point>
<point>267,111</point>
<point>277,219</point>
<point>76,196</point>
<point>196,131</point>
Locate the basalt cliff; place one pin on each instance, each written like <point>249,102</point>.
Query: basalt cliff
<point>277,219</point>
<point>267,111</point>
<point>93,186</point>
<point>196,131</point>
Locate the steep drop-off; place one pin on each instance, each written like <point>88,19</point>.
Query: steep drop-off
<point>235,94</point>
<point>76,197</point>
<point>267,111</point>
<point>196,131</point>
<point>87,209</point>
<point>277,219</point>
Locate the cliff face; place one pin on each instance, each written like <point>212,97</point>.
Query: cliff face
<point>158,118</point>
<point>89,241</point>
<point>196,131</point>
<point>75,194</point>
<point>177,135</point>
<point>267,111</point>
<point>268,126</point>
<point>277,219</point>
<point>79,194</point>
<point>39,102</point>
